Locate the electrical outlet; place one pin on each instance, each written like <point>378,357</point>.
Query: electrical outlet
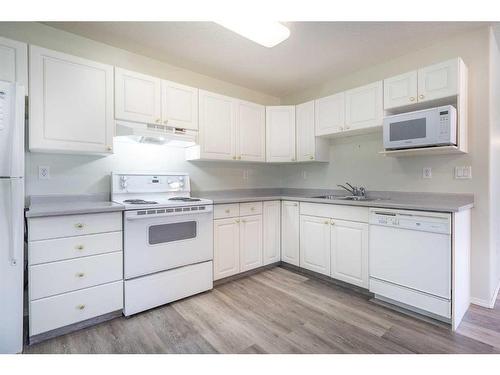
<point>427,172</point>
<point>463,173</point>
<point>43,172</point>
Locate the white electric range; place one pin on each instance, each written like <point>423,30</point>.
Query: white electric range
<point>167,240</point>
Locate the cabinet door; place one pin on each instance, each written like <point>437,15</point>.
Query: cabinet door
<point>137,97</point>
<point>14,62</point>
<point>250,242</point>
<point>330,114</point>
<point>315,244</point>
<point>226,248</point>
<point>280,133</point>
<point>400,90</point>
<point>306,140</point>
<point>290,232</point>
<point>364,108</point>
<point>71,103</point>
<point>179,105</point>
<point>349,244</point>
<point>271,232</point>
<point>251,131</point>
<point>217,126</point>
<point>438,81</point>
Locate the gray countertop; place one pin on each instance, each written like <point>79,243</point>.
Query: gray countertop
<point>440,202</point>
<point>83,204</point>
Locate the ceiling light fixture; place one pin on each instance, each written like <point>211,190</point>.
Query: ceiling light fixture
<point>265,33</point>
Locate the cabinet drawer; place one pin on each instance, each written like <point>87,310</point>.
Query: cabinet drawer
<point>68,275</point>
<point>251,208</point>
<point>341,212</point>
<point>54,312</point>
<point>73,247</point>
<point>222,211</point>
<point>73,225</point>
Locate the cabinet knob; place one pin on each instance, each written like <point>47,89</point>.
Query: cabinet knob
<point>227,211</point>
<point>79,247</point>
<point>347,127</point>
<point>79,225</point>
<point>234,157</point>
<point>421,96</point>
<point>243,221</point>
<point>80,275</point>
<point>341,128</point>
<point>158,120</point>
<point>293,159</point>
<point>311,157</point>
<point>237,220</point>
<point>165,122</point>
<point>252,208</point>
<point>109,148</point>
<point>412,98</point>
<point>327,222</point>
<point>332,222</point>
<point>239,157</point>
<point>80,307</point>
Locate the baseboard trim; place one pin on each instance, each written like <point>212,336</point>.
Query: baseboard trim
<point>484,303</point>
<point>244,274</point>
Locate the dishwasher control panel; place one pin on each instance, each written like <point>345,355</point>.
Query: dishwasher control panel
<point>414,220</point>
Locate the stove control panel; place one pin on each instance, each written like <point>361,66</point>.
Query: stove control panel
<point>150,183</point>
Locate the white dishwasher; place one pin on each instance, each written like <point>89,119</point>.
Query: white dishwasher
<point>410,260</point>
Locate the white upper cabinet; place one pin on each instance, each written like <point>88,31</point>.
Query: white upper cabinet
<point>250,242</point>
<point>280,133</point>
<point>290,232</point>
<point>315,244</point>
<point>400,90</point>
<point>179,105</point>
<point>309,147</point>
<point>438,80</point>
<point>349,252</point>
<point>71,103</point>
<point>364,107</point>
<point>251,131</point>
<point>330,114</point>
<point>14,62</point>
<point>271,216</point>
<point>137,97</point>
<point>217,126</point>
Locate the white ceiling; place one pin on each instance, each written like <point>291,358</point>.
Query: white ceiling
<point>315,51</point>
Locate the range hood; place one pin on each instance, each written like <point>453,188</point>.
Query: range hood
<point>155,134</point>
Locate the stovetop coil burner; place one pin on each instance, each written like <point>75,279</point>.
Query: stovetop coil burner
<point>139,201</point>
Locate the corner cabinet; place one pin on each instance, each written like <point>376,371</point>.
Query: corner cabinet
<point>71,104</point>
<point>280,133</point>
<point>14,62</point>
<point>309,147</point>
<point>290,232</point>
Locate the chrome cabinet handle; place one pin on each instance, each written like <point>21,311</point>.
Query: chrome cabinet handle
<point>79,225</point>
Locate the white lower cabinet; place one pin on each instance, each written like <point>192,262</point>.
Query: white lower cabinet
<point>349,252</point>
<point>250,242</point>
<point>290,232</point>
<point>226,247</point>
<point>315,244</point>
<point>271,232</point>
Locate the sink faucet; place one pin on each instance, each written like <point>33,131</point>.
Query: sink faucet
<point>354,190</point>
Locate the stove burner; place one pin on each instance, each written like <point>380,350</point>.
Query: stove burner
<point>184,199</point>
<point>139,201</point>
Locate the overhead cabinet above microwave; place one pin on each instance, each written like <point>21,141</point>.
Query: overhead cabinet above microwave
<point>147,99</point>
<point>438,81</point>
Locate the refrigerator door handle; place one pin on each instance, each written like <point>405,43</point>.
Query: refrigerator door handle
<point>14,228</point>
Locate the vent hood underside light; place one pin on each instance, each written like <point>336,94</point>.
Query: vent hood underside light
<point>155,134</point>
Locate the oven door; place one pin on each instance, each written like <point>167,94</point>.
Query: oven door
<point>157,243</point>
<point>411,130</point>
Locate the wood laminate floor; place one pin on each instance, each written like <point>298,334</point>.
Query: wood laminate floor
<point>280,311</point>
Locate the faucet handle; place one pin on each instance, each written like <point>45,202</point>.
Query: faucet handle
<point>362,191</point>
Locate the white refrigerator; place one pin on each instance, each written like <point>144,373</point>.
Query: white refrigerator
<point>11,216</point>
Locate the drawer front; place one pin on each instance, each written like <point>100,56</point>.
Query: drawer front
<point>53,250</point>
<point>223,211</point>
<point>68,275</point>
<point>41,228</point>
<point>350,213</point>
<point>54,312</point>
<point>250,208</point>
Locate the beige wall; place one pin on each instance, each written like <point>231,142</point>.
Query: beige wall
<point>356,159</point>
<point>77,174</point>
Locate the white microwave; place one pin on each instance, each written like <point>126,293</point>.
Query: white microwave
<point>425,128</point>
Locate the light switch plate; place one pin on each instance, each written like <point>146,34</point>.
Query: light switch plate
<point>43,172</point>
<point>463,172</point>
<point>427,172</point>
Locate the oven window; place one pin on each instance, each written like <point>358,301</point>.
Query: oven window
<point>404,130</point>
<point>171,232</point>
